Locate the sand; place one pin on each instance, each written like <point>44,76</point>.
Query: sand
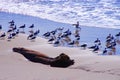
<point>88,65</point>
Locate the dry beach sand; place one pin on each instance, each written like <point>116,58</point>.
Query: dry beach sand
<point>88,65</point>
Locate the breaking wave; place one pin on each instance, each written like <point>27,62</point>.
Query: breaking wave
<point>96,13</point>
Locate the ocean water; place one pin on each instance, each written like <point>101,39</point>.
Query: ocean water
<point>95,13</point>
<point>88,34</point>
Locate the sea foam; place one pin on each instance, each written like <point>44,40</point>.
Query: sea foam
<point>97,13</point>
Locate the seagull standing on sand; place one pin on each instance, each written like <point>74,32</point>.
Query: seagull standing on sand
<point>71,43</point>
<point>78,29</point>
<point>9,37</point>
<point>30,36</point>
<point>33,38</point>
<point>110,46</point>
<point>51,39</point>
<point>113,43</point>
<point>56,42</point>
<point>14,28</point>
<point>97,40</point>
<point>105,51</point>
<point>96,49</point>
<point>13,35</point>
<point>2,36</point>
<point>9,31</point>
<point>84,46</point>
<point>17,32</point>
<point>46,35</point>
<point>76,25</point>
<point>23,26</point>
<point>37,32</point>
<point>92,47</point>
<point>11,23</point>
<point>31,27</point>
<point>118,36</point>
<point>109,36</point>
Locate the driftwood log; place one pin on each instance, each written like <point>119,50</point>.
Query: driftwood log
<point>62,60</point>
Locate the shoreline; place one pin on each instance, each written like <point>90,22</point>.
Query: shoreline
<point>86,34</point>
